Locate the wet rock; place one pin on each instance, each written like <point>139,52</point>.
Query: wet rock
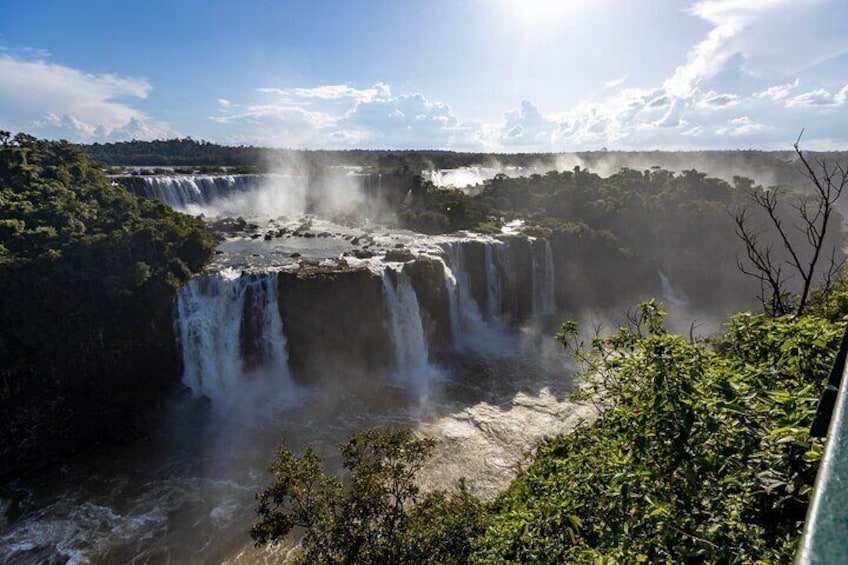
<point>335,323</point>
<point>400,256</point>
<point>363,254</point>
<point>18,504</point>
<point>428,279</point>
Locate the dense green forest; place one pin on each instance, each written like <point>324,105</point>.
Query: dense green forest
<point>188,152</point>
<point>87,276</point>
<point>769,167</point>
<point>613,235</point>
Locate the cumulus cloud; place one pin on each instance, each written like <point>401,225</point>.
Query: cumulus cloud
<point>740,126</point>
<point>54,100</point>
<point>346,116</point>
<point>615,83</point>
<point>742,83</point>
<point>820,97</point>
<point>778,92</point>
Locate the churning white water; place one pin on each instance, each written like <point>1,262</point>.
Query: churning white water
<point>213,314</point>
<point>413,366</point>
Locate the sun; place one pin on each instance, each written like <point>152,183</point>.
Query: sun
<point>542,14</point>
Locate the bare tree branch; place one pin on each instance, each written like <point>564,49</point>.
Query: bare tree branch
<point>828,180</point>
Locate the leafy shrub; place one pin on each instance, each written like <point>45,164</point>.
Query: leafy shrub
<point>376,515</point>
<point>700,454</point>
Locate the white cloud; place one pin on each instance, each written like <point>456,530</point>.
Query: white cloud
<point>345,116</point>
<point>712,100</point>
<point>615,83</point>
<point>740,127</point>
<point>743,83</point>
<point>527,126</point>
<point>820,97</point>
<point>778,92</point>
<point>379,91</point>
<point>54,100</point>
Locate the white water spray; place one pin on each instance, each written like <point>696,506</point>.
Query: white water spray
<point>212,315</point>
<point>407,332</point>
<point>544,302</point>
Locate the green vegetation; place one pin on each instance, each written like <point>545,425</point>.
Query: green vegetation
<point>376,515</point>
<point>638,223</point>
<point>701,453</point>
<point>87,277</point>
<point>188,152</point>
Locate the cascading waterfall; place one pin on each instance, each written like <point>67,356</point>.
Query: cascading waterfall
<point>407,331</point>
<point>182,191</point>
<point>472,329</point>
<point>668,292</point>
<point>494,287</point>
<point>466,318</point>
<point>219,317</point>
<point>543,280</point>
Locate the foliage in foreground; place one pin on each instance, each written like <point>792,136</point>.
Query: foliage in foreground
<point>377,515</point>
<point>701,454</point>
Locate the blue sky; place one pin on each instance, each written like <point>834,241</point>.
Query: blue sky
<point>480,75</point>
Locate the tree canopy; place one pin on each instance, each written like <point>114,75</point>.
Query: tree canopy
<point>87,276</point>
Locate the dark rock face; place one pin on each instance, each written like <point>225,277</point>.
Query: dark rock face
<point>334,324</point>
<point>250,330</point>
<point>474,254</point>
<point>399,255</point>
<point>428,279</point>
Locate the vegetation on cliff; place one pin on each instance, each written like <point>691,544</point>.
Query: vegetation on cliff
<point>87,277</point>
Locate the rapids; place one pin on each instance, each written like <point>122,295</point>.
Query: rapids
<point>450,331</point>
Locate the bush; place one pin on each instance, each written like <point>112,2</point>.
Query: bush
<point>376,515</point>
<point>700,454</point>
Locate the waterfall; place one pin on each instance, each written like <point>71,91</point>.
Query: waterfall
<point>494,287</point>
<point>471,329</point>
<point>669,293</point>
<point>407,331</point>
<point>544,303</point>
<point>231,335</point>
<point>182,191</point>
<point>466,318</point>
